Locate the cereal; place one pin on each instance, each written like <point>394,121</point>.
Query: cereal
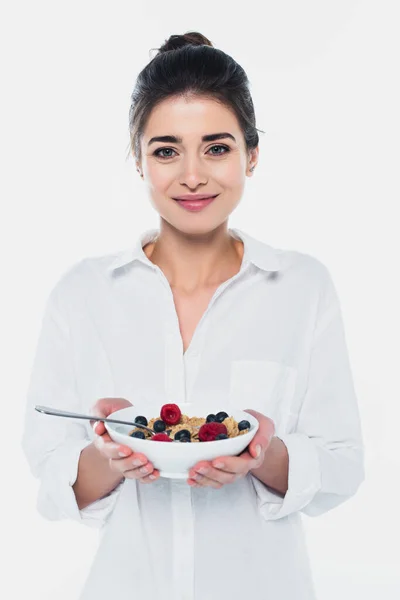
<point>193,425</point>
<point>232,427</point>
<point>197,421</point>
<point>195,434</point>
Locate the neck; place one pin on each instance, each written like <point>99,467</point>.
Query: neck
<point>192,262</point>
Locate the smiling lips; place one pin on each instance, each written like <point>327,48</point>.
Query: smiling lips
<point>195,197</point>
<point>196,202</point>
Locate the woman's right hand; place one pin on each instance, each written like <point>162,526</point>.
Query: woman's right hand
<point>121,458</point>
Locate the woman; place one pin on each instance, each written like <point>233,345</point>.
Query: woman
<point>202,314</point>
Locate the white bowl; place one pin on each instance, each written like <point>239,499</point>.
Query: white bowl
<point>174,460</point>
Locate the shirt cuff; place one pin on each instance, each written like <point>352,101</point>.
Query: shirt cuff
<point>303,483</point>
<point>56,498</point>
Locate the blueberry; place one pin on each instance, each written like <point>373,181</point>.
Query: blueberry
<point>211,418</point>
<point>184,438</point>
<point>221,436</point>
<point>221,416</point>
<point>141,420</point>
<point>243,425</point>
<point>159,426</point>
<point>138,434</point>
<point>182,433</point>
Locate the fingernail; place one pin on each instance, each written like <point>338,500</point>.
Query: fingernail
<point>143,470</point>
<point>137,462</point>
<point>122,454</point>
<point>152,477</point>
<point>219,465</point>
<point>258,451</point>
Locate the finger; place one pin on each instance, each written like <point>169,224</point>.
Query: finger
<point>98,427</point>
<point>265,433</point>
<point>106,438</point>
<point>145,474</point>
<point>96,413</point>
<point>252,463</point>
<point>218,475</point>
<point>150,478</point>
<point>132,464</point>
<point>233,464</point>
<point>111,450</point>
<point>245,455</point>
<point>202,464</point>
<point>266,424</point>
<point>138,472</point>
<point>258,446</point>
<point>206,482</point>
<point>101,440</point>
<point>105,406</point>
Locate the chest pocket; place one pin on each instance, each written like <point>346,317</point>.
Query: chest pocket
<point>266,386</point>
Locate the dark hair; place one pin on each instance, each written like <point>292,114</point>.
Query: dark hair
<point>189,65</point>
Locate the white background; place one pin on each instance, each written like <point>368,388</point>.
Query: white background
<point>324,79</point>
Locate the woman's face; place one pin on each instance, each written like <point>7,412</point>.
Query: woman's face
<point>190,165</point>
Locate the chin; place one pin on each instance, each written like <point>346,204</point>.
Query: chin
<point>195,227</point>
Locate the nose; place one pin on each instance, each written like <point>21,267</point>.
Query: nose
<point>193,173</point>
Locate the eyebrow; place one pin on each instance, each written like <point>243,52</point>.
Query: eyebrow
<point>172,139</point>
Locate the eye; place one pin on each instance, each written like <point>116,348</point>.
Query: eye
<point>159,155</point>
<point>157,152</point>
<point>223,148</point>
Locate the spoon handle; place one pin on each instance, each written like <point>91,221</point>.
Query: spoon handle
<point>71,415</point>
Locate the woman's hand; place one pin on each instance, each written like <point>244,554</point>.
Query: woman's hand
<point>131,465</point>
<point>209,474</point>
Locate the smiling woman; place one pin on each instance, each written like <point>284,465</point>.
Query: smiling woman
<point>190,96</point>
<point>206,318</point>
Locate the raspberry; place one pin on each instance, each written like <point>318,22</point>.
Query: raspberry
<point>209,431</point>
<point>161,437</point>
<point>170,414</point>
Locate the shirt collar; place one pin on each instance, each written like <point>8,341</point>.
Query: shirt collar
<point>255,251</point>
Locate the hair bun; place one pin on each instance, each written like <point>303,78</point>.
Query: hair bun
<point>191,38</point>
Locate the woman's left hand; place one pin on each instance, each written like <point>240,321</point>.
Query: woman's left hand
<point>209,474</point>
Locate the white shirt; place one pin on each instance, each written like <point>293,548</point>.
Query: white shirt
<point>271,339</point>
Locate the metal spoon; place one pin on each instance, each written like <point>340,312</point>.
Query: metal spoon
<point>62,413</point>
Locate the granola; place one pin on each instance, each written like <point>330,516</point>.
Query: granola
<point>171,422</point>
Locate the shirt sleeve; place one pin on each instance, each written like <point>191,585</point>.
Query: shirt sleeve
<point>53,445</point>
<point>326,450</point>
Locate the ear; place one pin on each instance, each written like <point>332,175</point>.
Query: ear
<point>139,168</point>
<point>252,160</point>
